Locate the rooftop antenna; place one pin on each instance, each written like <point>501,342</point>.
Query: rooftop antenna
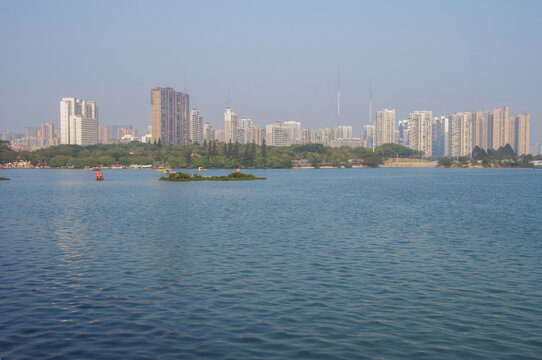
<point>338,97</point>
<point>184,85</point>
<point>229,99</point>
<point>371,112</point>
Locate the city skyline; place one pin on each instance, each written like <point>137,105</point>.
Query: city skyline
<point>172,123</point>
<point>276,72</point>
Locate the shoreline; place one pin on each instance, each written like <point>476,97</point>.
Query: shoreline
<point>402,166</point>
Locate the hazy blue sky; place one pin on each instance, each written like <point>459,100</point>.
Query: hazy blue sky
<point>279,58</point>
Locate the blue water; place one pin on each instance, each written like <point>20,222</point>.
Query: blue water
<point>329,264</point>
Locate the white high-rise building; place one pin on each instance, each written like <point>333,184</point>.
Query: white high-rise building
<point>231,126</point>
<point>326,136</point>
<point>308,136</point>
<point>420,131</point>
<point>460,134</point>
<point>248,132</point>
<point>294,132</point>
<point>368,135</point>
<point>277,134</point>
<point>343,132</point>
<point>78,122</point>
<point>385,127</point>
<point>196,126</point>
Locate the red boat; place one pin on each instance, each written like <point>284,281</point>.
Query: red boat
<point>99,176</point>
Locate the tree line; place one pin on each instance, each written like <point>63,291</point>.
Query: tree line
<point>502,157</point>
<point>211,154</point>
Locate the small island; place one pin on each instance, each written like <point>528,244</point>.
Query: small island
<point>3,178</point>
<point>235,176</point>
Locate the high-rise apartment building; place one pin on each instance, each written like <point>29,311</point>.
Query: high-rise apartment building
<point>327,135</point>
<point>104,134</point>
<point>460,134</point>
<point>368,135</point>
<point>343,132</point>
<point>48,131</point>
<point>498,126</point>
<point>208,132</point>
<point>196,126</point>
<point>248,132</point>
<point>170,116</point>
<point>78,122</point>
<point>479,130</point>
<point>440,136</point>
<point>220,135</point>
<point>385,127</point>
<point>231,126</point>
<point>308,136</point>
<point>420,130</point>
<point>294,132</point>
<point>30,132</point>
<point>277,134</point>
<point>403,132</point>
<point>521,133</point>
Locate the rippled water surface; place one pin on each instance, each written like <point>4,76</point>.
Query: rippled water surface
<point>350,263</point>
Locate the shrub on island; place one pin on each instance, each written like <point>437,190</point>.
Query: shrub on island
<point>235,176</point>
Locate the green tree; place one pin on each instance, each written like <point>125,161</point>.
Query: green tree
<point>60,160</point>
<point>371,159</point>
<point>188,155</point>
<point>478,153</point>
<point>264,148</point>
<point>235,151</point>
<point>6,152</point>
<point>445,162</point>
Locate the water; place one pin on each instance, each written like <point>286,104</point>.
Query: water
<point>330,264</point>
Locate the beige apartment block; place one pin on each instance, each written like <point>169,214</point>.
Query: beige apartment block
<point>420,131</point>
<point>385,127</point>
<point>460,134</point>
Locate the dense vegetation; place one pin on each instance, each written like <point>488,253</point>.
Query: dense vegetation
<point>502,157</point>
<point>6,153</point>
<point>235,176</point>
<point>208,155</point>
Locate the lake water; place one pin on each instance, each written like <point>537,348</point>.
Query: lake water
<point>329,264</point>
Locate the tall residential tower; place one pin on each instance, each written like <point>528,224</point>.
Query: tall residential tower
<point>420,131</point>
<point>385,127</point>
<point>78,122</point>
<point>231,126</point>
<point>170,116</point>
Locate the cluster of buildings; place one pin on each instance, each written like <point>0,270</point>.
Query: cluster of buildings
<point>453,135</point>
<point>35,138</point>
<point>459,133</point>
<point>174,122</point>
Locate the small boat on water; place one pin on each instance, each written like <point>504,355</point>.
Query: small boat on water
<point>99,176</point>
<point>202,169</point>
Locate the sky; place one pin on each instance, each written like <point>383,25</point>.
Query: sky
<point>279,59</point>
